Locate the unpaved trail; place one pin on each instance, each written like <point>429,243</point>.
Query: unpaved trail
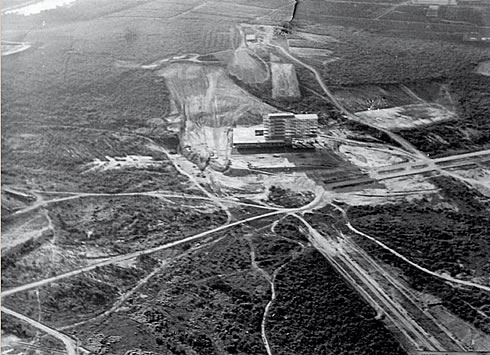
<point>451,280</point>
<point>157,194</point>
<point>363,282</point>
<point>133,255</point>
<point>70,344</point>
<point>404,143</point>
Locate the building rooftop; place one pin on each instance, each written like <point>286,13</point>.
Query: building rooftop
<point>280,114</point>
<point>247,135</point>
<point>306,116</point>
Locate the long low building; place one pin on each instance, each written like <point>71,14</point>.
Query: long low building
<point>253,137</point>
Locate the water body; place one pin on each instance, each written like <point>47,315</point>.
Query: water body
<point>38,7</point>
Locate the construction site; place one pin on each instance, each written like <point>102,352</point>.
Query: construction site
<point>234,178</point>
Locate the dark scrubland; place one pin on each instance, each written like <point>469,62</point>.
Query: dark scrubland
<point>288,198</point>
<point>471,94</point>
<point>465,302</point>
<point>57,159</point>
<point>208,302</point>
<point>316,312</point>
<point>66,301</point>
<point>213,300</point>
<point>447,235</point>
<point>379,58</point>
<point>44,344</point>
<point>124,224</point>
<point>91,228</point>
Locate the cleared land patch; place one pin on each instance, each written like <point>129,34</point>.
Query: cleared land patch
<point>284,81</point>
<point>406,117</point>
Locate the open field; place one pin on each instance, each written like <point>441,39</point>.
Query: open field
<point>406,117</point>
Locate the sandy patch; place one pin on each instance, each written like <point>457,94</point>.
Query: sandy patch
<point>130,161</point>
<point>409,116</point>
<point>369,158</point>
<point>38,7</point>
<point>484,68</point>
<point>309,52</point>
<point>209,104</point>
<point>248,67</point>
<point>9,48</point>
<point>284,81</point>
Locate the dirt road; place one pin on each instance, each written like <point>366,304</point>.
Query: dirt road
<point>405,144</point>
<point>314,203</point>
<point>360,278</point>
<point>70,344</point>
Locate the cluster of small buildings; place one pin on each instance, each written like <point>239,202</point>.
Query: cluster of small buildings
<point>278,130</point>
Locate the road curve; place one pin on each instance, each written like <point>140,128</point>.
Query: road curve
<point>70,344</point>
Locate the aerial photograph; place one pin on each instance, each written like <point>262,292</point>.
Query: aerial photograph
<point>249,177</point>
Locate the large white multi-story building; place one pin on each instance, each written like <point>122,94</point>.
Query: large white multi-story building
<point>287,126</point>
<point>278,130</point>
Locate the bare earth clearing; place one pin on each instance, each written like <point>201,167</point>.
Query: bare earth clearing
<point>132,227</point>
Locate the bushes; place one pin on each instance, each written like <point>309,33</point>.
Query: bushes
<point>471,132</point>
<point>315,312</point>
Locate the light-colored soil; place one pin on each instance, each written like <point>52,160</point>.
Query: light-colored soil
<point>284,81</point>
<point>480,178</point>
<point>409,116</point>
<point>309,52</point>
<point>37,7</point>
<point>461,329</point>
<point>22,230</point>
<point>130,161</point>
<point>484,68</point>
<point>209,104</point>
<point>9,48</point>
<point>317,38</point>
<point>369,158</point>
<point>410,188</point>
<point>247,67</point>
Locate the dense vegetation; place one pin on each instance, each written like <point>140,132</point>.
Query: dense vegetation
<point>471,132</point>
<point>315,312</point>
<point>436,237</point>
<point>450,235</point>
<point>289,198</point>
<point>467,303</point>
